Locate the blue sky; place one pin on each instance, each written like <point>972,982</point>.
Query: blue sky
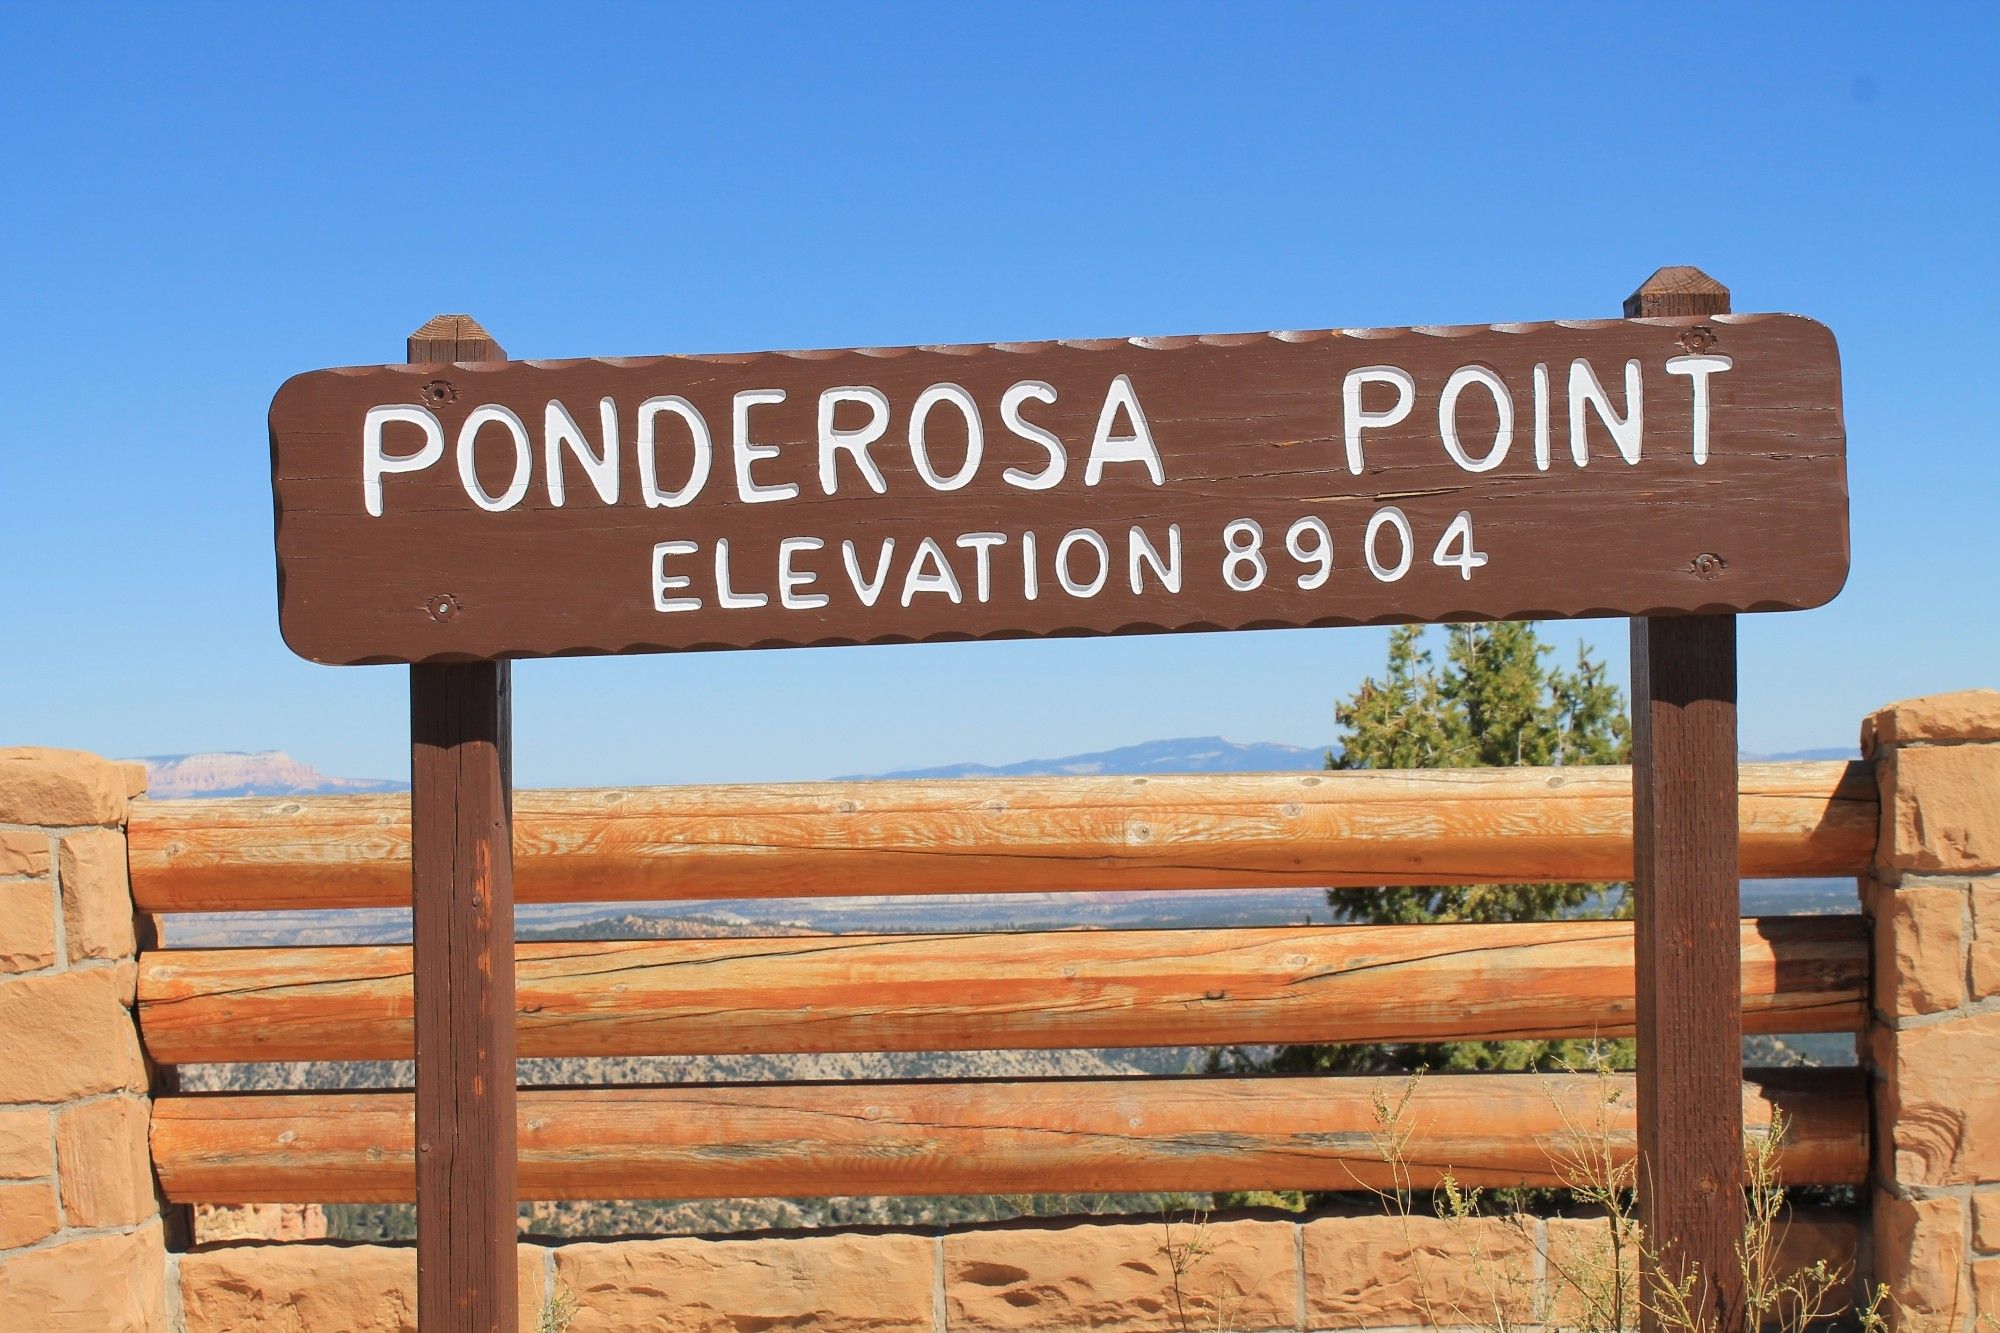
<point>196,203</point>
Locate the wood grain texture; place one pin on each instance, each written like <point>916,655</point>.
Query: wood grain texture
<point>1678,290</point>
<point>1321,984</point>
<point>1686,900</point>
<point>453,338</point>
<point>1247,426</point>
<point>1349,829</point>
<point>462,929</point>
<point>1048,1136</point>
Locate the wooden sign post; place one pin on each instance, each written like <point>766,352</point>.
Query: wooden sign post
<point>455,512</point>
<point>1685,899</point>
<point>462,937</point>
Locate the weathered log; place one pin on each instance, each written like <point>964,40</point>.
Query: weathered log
<point>955,992</point>
<point>1347,829</point>
<point>1044,1136</point>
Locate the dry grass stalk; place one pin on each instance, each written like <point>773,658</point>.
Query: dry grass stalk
<point>1592,1282</point>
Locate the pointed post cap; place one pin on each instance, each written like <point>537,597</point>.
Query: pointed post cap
<point>454,338</point>
<point>1678,289</point>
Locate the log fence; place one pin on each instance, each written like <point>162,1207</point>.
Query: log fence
<point>1031,1136</point>
<point>1044,989</point>
<point>1028,835</point>
<point>1041,990</point>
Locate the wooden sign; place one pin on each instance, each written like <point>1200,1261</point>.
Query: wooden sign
<point>438,512</point>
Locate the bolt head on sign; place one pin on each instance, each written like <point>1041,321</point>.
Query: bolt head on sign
<point>435,512</point>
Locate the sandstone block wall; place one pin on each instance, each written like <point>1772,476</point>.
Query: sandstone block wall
<point>1267,1273</point>
<point>1934,1041</point>
<point>82,1245</point>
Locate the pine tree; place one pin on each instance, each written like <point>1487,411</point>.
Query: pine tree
<point>1493,703</point>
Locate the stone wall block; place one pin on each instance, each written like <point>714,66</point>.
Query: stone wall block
<point>828,1284</point>
<point>112,1283</point>
<point>1921,1258</point>
<point>1121,1277</point>
<point>309,1286</point>
<point>23,852</point>
<point>1986,1292</point>
<point>27,926</point>
<point>1940,808</point>
<point>134,773</point>
<point>1374,1272</point>
<point>59,788</point>
<point>27,1212</point>
<point>1967,715</point>
<point>26,1151</point>
<point>1986,1223</point>
<point>96,896</point>
<point>66,1036</point>
<point>104,1163</point>
<point>1920,938</point>
<point>1938,1102</point>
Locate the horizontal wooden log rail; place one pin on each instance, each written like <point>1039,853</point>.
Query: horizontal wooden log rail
<point>1041,1136</point>
<point>1347,829</point>
<point>955,992</point>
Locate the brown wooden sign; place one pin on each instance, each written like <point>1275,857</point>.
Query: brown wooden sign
<point>438,512</point>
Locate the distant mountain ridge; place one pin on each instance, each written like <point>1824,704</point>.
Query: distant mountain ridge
<point>1823,752</point>
<point>1185,754</point>
<point>275,773</point>
<point>266,773</point>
